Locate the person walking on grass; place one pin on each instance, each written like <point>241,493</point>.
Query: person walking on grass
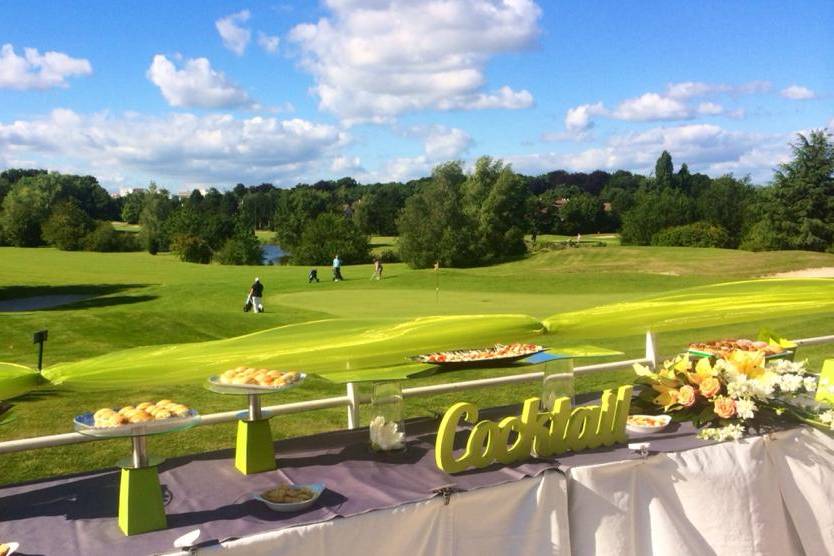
<point>256,293</point>
<point>377,275</point>
<point>337,269</point>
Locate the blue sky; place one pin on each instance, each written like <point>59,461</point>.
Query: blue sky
<point>214,93</point>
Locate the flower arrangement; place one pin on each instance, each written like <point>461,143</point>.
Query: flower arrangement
<point>733,394</point>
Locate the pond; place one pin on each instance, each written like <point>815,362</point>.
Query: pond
<point>272,254</point>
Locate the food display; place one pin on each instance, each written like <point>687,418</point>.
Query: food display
<point>248,376</point>
<point>501,352</point>
<point>6,549</point>
<point>288,494</point>
<point>642,424</point>
<point>722,348</point>
<point>141,413</point>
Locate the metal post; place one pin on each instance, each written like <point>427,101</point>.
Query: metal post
<point>651,354</point>
<point>140,452</point>
<point>255,407</point>
<point>39,338</point>
<point>353,405</point>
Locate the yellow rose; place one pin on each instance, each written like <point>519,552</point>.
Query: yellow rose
<point>710,387</point>
<point>686,396</point>
<point>724,407</point>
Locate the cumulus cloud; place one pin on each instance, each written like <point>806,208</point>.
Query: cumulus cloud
<point>444,143</point>
<point>651,107</point>
<point>268,42</point>
<point>196,84</point>
<point>798,92</point>
<point>34,70</point>
<point>235,37</point>
<point>690,89</point>
<point>373,60</point>
<point>704,147</point>
<point>210,149</point>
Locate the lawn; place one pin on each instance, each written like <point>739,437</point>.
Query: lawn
<point>139,299</point>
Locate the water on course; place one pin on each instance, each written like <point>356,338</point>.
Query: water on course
<point>272,254</point>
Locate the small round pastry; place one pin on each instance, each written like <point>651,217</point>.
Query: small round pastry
<point>266,381</point>
<point>274,374</point>
<point>163,403</point>
<point>239,380</point>
<point>240,369</point>
<point>126,409</point>
<point>144,405</point>
<point>103,412</point>
<point>291,376</point>
<point>263,371</point>
<point>139,417</point>
<point>162,414</point>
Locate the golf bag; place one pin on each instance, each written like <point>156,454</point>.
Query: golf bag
<point>248,305</point>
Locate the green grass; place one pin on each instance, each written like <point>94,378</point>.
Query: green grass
<point>152,300</point>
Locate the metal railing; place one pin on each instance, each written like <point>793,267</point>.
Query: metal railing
<point>353,399</point>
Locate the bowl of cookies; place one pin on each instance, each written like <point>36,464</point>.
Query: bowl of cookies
<point>291,497</point>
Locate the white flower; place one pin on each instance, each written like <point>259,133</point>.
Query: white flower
<point>386,436</point>
<point>810,383</point>
<point>730,432</point>
<point>783,366</point>
<point>746,408</point>
<point>790,383</point>
<point>827,417</point>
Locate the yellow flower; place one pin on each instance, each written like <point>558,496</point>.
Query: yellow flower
<point>750,363</point>
<point>682,363</point>
<point>703,370</point>
<point>710,386</point>
<point>667,398</point>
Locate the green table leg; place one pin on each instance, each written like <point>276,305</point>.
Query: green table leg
<point>254,452</point>
<point>140,501</point>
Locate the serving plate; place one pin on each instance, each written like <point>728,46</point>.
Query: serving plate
<point>213,383</point>
<point>13,546</point>
<point>316,488</point>
<point>480,362</point>
<point>85,424</point>
<point>648,429</point>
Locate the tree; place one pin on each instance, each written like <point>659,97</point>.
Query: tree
<point>726,203</point>
<point>132,205</point>
<point>663,171</point>
<point>653,211</point>
<point>156,209</point>
<point>67,226</point>
<point>191,248</point>
<point>581,214</point>
<point>798,211</point>
<point>25,208</point>
<point>329,235</point>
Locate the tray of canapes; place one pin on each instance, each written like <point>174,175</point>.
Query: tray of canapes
<point>139,420</point>
<point>249,380</point>
<point>498,354</point>
<point>723,348</point>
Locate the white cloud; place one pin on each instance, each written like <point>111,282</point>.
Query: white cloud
<point>710,109</point>
<point>797,92</point>
<point>195,85</point>
<point>34,70</point>
<point>235,37</point>
<point>651,107</point>
<point>210,149</point>
<point>443,143</point>
<point>704,147</point>
<point>268,42</point>
<point>374,60</point>
<point>691,89</point>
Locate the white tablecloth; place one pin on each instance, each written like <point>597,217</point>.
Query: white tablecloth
<point>763,495</point>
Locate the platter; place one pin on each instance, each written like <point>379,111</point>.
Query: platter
<point>479,357</point>
<point>316,489</point>
<point>722,348</point>
<point>85,424</point>
<point>647,424</point>
<point>213,383</point>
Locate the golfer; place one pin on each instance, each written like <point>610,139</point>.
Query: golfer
<point>377,275</point>
<point>256,292</point>
<point>337,269</point>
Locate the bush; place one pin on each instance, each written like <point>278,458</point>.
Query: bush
<point>191,249</point>
<point>697,234</point>
<point>329,235</point>
<point>240,251</point>
<point>66,226</point>
<point>105,239</point>
<point>389,256</point>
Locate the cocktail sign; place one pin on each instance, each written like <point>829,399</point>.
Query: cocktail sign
<point>563,428</point>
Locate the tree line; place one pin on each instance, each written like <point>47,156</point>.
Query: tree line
<point>451,217</point>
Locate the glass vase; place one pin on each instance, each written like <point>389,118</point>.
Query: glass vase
<point>558,382</point>
<point>387,427</point>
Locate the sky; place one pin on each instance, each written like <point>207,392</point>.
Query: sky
<point>213,93</point>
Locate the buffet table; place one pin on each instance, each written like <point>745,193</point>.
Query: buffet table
<point>765,495</point>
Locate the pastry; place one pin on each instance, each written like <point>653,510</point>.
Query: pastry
<point>141,413</point>
<point>250,376</point>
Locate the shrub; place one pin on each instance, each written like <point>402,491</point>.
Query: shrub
<point>389,256</point>
<point>66,226</point>
<point>697,234</point>
<point>105,239</point>
<point>191,249</point>
<point>240,251</point>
